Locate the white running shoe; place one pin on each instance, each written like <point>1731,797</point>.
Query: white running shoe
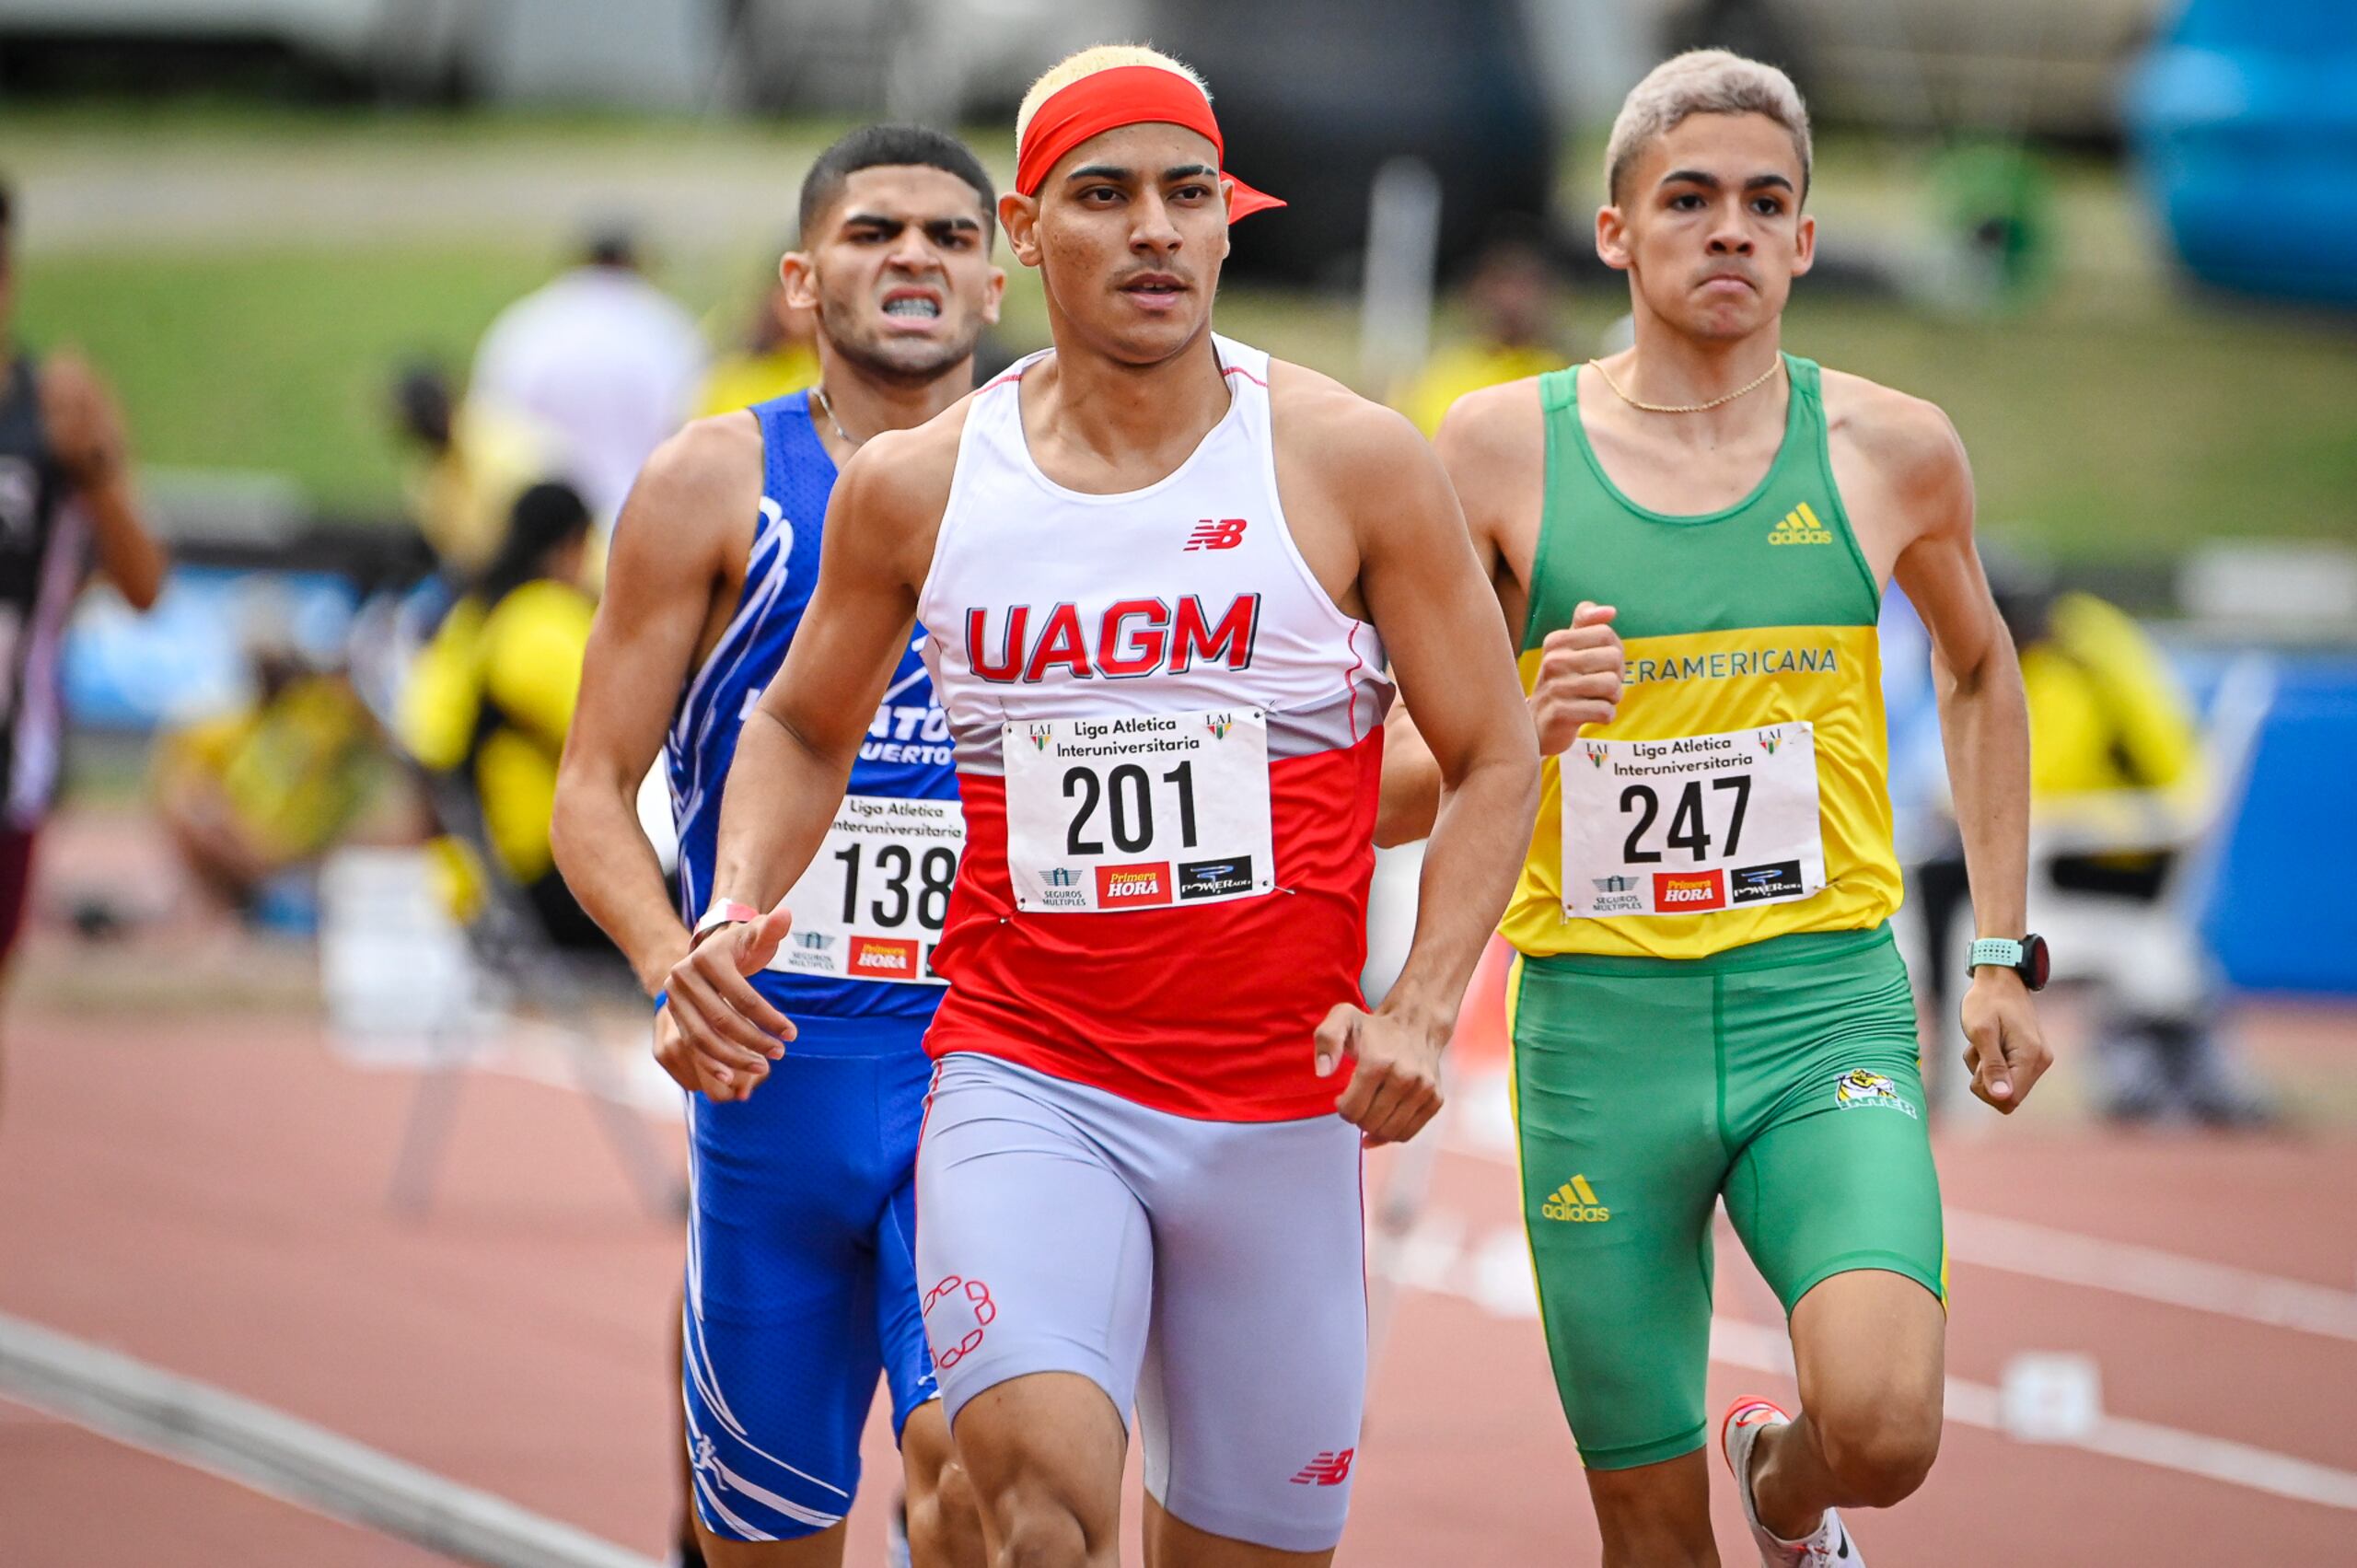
<point>895,1533</point>
<point>1827,1546</point>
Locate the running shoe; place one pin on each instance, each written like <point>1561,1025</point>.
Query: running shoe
<point>1827,1546</point>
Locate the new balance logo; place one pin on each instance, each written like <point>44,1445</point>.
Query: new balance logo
<point>1800,525</point>
<point>1576,1201</point>
<point>1327,1469</point>
<point>1224,533</point>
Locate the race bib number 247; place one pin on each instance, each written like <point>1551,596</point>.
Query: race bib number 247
<point>1690,824</point>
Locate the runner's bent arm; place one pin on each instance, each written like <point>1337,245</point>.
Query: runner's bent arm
<point>698,490</point>
<point>86,430</point>
<point>1493,446</point>
<point>795,754</point>
<point>1984,728</point>
<point>1439,621</point>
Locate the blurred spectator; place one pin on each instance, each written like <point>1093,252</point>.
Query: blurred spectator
<point>65,496</point>
<point>777,356</point>
<point>1511,296</point>
<point>2110,726</point>
<point>477,459</point>
<point>253,794</point>
<point>603,358</point>
<point>486,708</point>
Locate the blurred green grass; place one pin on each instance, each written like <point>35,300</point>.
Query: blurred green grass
<point>2117,418</point>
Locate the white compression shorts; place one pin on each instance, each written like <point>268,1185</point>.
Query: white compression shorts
<point>1213,1273</point>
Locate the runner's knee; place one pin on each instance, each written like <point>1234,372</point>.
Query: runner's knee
<point>1038,1529</point>
<point>1878,1450</point>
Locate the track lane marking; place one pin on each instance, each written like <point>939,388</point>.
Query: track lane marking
<point>1441,1256</point>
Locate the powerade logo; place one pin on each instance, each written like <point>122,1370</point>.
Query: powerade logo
<point>1214,879</point>
<point>1119,887</point>
<point>1681,892</point>
<point>1753,884</point>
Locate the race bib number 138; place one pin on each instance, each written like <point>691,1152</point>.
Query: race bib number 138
<point>1690,824</point>
<point>1138,812</point>
<point>872,903</point>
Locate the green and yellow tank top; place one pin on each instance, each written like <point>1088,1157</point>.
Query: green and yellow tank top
<point>1740,792</point>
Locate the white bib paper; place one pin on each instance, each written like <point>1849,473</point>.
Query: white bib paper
<point>1138,812</point>
<point>871,904</point>
<point>1695,823</point>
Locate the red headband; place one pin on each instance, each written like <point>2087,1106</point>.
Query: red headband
<point>1108,99</point>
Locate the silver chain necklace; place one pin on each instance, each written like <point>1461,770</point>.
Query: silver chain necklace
<point>827,407</point>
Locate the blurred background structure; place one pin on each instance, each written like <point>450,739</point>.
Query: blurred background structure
<point>364,274</point>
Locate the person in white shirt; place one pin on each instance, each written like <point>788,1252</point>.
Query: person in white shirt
<point>603,358</point>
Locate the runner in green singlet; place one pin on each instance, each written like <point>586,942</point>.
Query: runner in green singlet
<point>1690,540</point>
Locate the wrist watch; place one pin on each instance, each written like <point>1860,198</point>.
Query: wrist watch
<point>2026,958</point>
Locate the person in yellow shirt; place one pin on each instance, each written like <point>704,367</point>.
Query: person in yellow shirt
<point>271,786</point>
<point>490,700</point>
<point>2110,725</point>
<point>1511,296</point>
<point>475,459</point>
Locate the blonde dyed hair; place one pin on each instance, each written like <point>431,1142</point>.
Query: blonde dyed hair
<point>1087,62</point>
<point>1703,81</point>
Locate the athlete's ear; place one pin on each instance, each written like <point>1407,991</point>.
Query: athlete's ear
<point>993,293</point>
<point>1612,237</point>
<point>799,273</point>
<point>1019,216</point>
<point>1804,246</point>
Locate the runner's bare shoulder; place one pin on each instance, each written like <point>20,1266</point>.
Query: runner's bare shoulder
<point>1907,441</point>
<point>1352,448</point>
<point>895,487</point>
<point>703,478</point>
<point>1493,443</point>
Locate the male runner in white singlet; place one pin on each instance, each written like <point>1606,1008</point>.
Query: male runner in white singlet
<point>1160,579</point>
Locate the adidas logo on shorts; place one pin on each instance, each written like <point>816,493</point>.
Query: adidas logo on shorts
<point>1576,1201</point>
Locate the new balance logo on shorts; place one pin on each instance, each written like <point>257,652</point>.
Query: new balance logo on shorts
<point>1224,533</point>
<point>1575,1201</point>
<point>1327,1469</point>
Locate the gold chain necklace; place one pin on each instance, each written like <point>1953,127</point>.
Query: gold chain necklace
<point>827,406</point>
<point>1754,384</point>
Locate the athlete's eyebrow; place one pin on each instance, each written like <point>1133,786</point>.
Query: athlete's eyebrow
<point>1761,182</point>
<point>1102,172</point>
<point>1708,182</point>
<point>873,220</point>
<point>1189,172</point>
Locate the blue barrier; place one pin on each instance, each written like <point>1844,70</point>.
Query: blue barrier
<point>2284,915</point>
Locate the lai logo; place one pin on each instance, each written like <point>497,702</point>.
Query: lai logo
<point>1040,735</point>
<point>1595,754</point>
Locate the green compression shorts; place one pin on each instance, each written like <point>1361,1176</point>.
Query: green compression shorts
<point>1781,1074</point>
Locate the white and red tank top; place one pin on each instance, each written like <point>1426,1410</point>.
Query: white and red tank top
<point>1170,747</point>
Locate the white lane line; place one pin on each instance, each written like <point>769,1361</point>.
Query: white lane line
<point>2069,1258</point>
<point>275,1454</point>
<point>1482,1127</point>
<point>1493,1272</point>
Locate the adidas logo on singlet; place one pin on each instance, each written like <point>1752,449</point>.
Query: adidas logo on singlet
<point>1800,525</point>
<point>1575,1199</point>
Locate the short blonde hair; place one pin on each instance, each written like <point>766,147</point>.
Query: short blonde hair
<point>1703,81</point>
<point>1087,62</point>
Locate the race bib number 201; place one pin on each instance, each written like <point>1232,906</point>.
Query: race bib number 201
<point>1138,812</point>
<point>872,902</point>
<point>1691,824</point>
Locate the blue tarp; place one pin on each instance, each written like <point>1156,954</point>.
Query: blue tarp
<point>2244,119</point>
